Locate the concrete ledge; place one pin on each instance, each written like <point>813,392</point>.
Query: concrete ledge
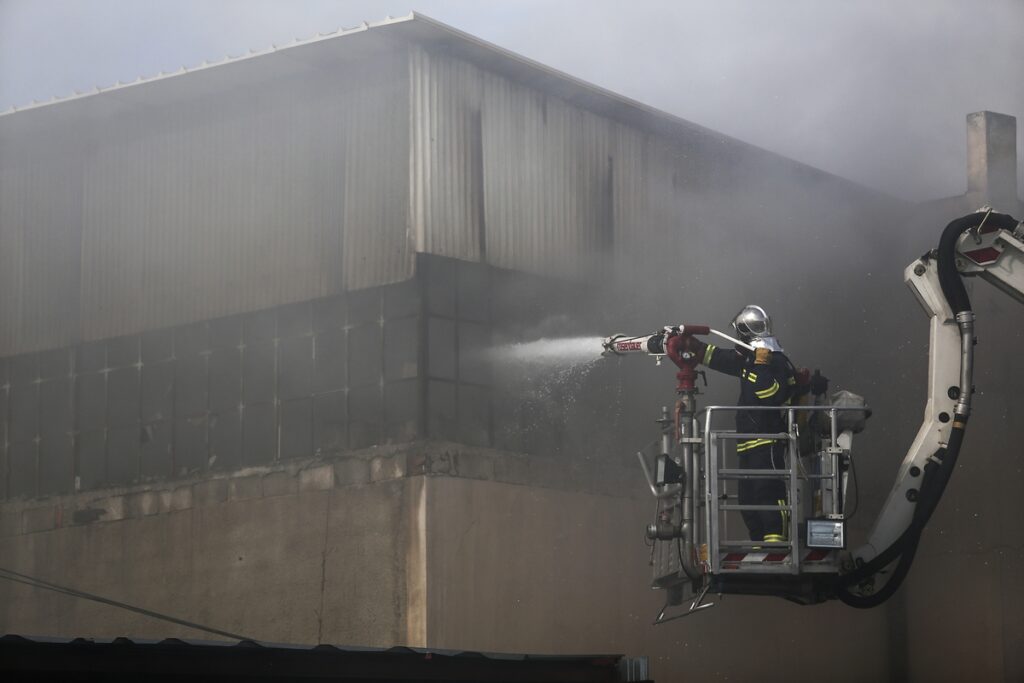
<point>210,492</point>
<point>279,484</point>
<point>351,472</point>
<point>473,465</point>
<point>39,519</point>
<point>143,504</point>
<point>178,499</point>
<point>319,478</point>
<point>360,468</point>
<point>512,469</point>
<point>113,508</point>
<point>10,521</point>
<point>439,463</point>
<point>386,468</point>
<point>244,488</point>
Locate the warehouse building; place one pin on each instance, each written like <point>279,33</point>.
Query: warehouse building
<point>257,321</point>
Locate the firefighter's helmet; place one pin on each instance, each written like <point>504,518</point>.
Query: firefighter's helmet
<point>754,326</point>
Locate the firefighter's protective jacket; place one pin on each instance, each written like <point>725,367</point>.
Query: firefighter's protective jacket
<point>766,379</point>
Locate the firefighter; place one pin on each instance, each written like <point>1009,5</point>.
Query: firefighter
<point>767,378</point>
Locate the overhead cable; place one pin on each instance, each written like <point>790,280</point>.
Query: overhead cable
<point>73,592</point>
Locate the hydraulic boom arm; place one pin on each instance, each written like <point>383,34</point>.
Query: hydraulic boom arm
<point>986,244</point>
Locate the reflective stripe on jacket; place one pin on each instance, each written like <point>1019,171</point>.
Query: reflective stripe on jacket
<point>761,384</point>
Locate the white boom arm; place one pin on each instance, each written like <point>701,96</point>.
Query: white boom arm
<point>998,257</point>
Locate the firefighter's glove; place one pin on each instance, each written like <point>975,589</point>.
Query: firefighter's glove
<point>802,382</point>
<point>762,356</point>
<point>819,383</point>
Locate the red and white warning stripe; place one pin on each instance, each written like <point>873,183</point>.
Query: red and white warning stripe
<point>738,560</point>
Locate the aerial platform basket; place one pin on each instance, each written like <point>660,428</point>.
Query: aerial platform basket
<point>700,544</point>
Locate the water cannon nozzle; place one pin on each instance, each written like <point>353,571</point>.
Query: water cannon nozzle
<point>608,344</point>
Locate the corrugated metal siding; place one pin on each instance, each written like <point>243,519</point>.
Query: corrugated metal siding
<point>675,205</point>
<point>40,219</point>
<point>446,181</point>
<point>330,178</point>
<point>248,199</point>
<point>546,166</point>
<point>222,214</point>
<point>13,183</point>
<point>648,206</point>
<point>567,192</point>
<point>203,220</point>
<point>377,246</point>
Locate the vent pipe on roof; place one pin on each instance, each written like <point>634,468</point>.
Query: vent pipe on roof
<point>992,157</point>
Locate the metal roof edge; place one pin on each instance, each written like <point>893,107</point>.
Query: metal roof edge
<point>204,65</point>
<point>618,106</point>
<point>420,28</point>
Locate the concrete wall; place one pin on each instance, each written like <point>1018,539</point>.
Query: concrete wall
<point>287,555</point>
<point>546,570</point>
<point>436,545</point>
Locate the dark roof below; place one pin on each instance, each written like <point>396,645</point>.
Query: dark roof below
<point>24,658</point>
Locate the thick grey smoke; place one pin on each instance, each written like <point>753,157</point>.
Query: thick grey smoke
<point>875,92</point>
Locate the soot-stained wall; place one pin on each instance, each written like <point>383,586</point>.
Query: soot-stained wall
<point>318,377</point>
<point>311,379</point>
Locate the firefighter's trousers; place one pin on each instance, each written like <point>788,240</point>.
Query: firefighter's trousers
<point>764,525</point>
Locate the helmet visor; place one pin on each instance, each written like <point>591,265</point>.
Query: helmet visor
<point>751,323</point>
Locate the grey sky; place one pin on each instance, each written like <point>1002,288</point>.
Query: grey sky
<point>874,91</point>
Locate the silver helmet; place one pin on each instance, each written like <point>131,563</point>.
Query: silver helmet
<point>754,326</point>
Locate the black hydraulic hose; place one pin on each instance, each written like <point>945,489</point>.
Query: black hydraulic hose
<point>933,485</point>
<point>905,548</point>
<point>890,587</point>
<point>936,476</point>
<point>949,278</point>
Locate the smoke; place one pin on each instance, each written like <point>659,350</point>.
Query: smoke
<point>886,111</point>
<point>872,92</point>
<point>876,92</point>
